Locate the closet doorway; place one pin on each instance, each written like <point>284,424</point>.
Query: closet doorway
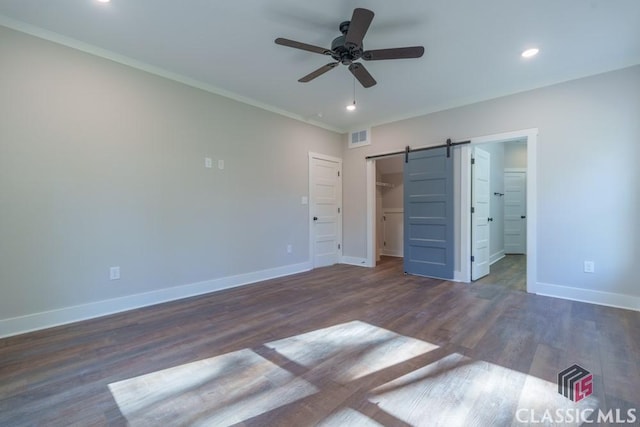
<point>389,217</point>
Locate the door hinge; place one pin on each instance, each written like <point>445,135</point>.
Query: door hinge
<point>473,210</point>
<point>473,259</point>
<point>473,161</point>
<point>338,245</point>
<point>384,218</point>
<point>384,243</point>
<point>338,210</point>
<point>338,173</point>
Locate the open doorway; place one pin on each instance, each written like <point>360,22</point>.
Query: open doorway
<point>389,209</point>
<point>498,224</point>
<point>529,138</point>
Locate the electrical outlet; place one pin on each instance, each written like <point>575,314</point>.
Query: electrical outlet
<point>220,164</point>
<point>114,273</point>
<point>289,249</point>
<point>208,163</point>
<point>589,267</point>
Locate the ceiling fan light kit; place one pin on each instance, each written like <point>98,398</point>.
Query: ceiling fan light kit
<point>348,48</point>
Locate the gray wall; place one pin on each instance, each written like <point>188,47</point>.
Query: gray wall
<point>103,165</point>
<point>588,180</point>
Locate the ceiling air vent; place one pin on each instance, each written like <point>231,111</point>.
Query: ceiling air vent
<point>360,138</point>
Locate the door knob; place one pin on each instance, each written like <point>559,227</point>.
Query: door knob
<point>315,218</point>
<point>523,216</point>
<point>490,219</point>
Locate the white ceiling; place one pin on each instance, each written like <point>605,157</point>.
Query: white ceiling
<point>472,47</point>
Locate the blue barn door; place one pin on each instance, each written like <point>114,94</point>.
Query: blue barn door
<point>428,214</point>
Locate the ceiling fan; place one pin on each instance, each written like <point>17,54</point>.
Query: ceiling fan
<point>348,48</point>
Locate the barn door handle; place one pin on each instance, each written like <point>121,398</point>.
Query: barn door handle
<point>315,218</point>
<point>523,216</point>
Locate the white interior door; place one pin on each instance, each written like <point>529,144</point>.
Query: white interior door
<point>325,209</point>
<point>515,219</point>
<point>393,234</point>
<point>480,212</point>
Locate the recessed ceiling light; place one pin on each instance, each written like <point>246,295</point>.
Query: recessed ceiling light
<point>103,1</point>
<point>530,52</point>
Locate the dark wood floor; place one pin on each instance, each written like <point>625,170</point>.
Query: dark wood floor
<point>510,272</point>
<point>341,345</point>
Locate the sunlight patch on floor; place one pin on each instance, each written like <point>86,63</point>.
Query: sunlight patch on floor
<point>350,350</point>
<point>352,374</point>
<point>459,391</point>
<point>348,417</point>
<point>237,386</point>
<point>221,390</point>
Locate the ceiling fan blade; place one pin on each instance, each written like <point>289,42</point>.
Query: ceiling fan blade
<point>358,27</point>
<point>361,73</point>
<point>320,71</point>
<point>397,53</point>
<point>303,46</point>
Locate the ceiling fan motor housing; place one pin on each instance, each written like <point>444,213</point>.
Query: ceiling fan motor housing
<point>342,53</point>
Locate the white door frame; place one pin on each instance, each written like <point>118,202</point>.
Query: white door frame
<point>371,214</point>
<point>311,233</point>
<point>531,136</point>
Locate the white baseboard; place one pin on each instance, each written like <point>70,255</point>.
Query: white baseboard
<point>393,254</point>
<point>496,257</point>
<point>361,262</point>
<point>587,295</point>
<point>48,319</point>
